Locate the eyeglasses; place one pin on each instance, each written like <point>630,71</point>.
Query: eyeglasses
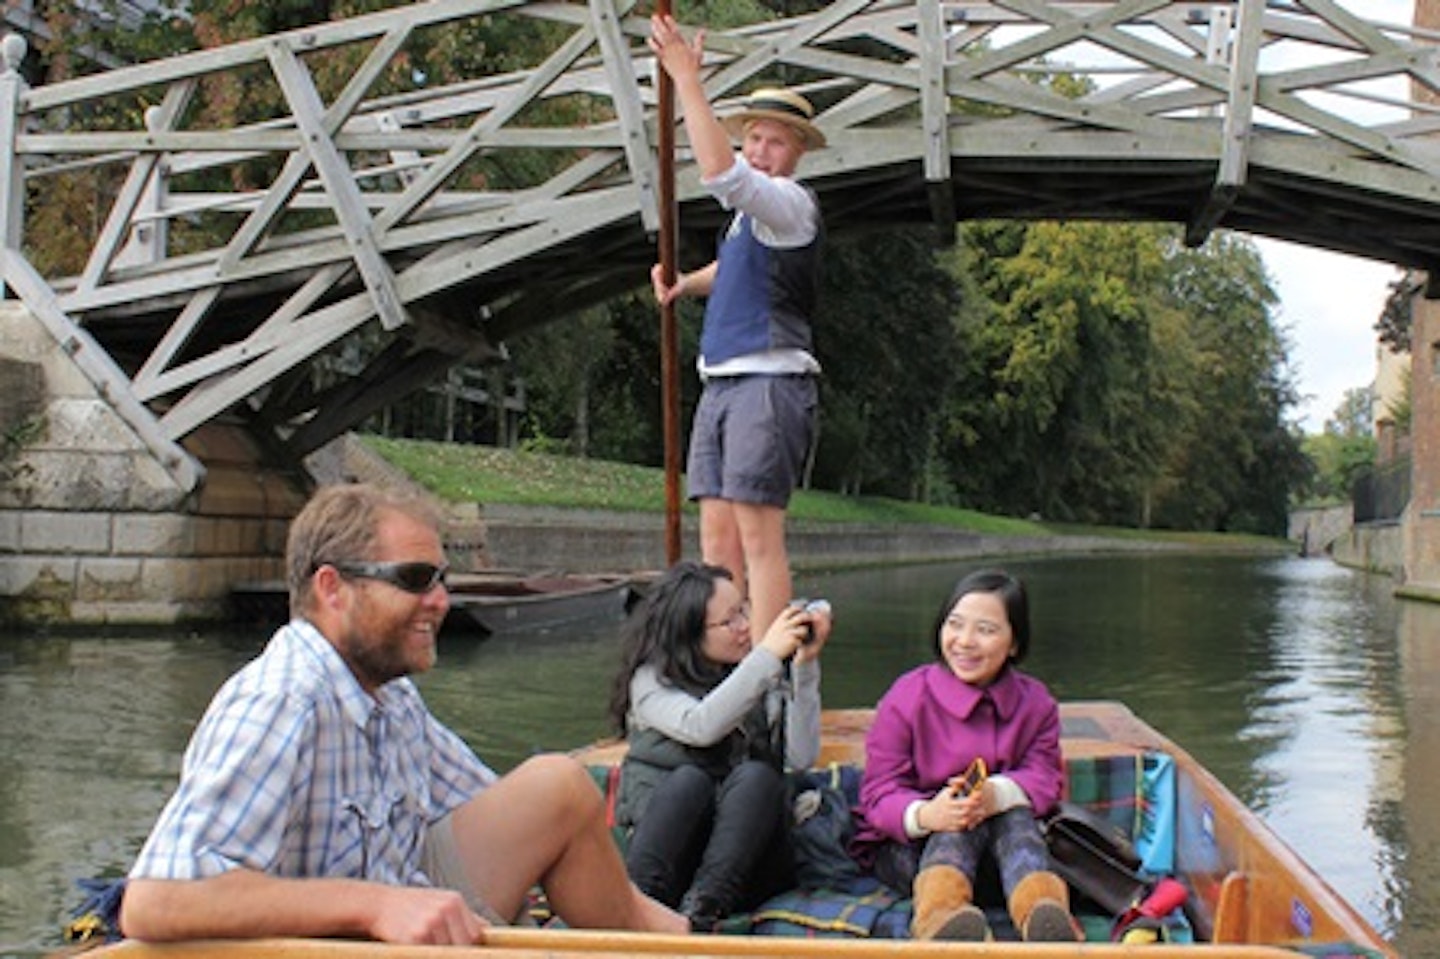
<point>417,578</point>
<point>736,621</point>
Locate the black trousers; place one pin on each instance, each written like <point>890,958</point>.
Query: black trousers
<point>726,839</point>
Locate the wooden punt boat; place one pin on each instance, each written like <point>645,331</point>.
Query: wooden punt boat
<point>1250,895</point>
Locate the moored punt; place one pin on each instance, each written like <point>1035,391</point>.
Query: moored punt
<point>485,603</point>
<point>496,602</point>
<point>1250,895</point>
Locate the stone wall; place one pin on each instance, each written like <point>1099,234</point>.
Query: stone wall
<point>1421,546</point>
<point>1315,530</point>
<point>533,538</point>
<point>93,530</point>
<point>1375,547</point>
<point>1422,518</point>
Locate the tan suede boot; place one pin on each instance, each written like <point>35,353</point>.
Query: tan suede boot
<point>1040,907</point>
<point>944,907</point>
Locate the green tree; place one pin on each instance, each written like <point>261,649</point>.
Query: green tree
<point>560,364</point>
<point>889,354</point>
<point>1061,355</point>
<point>1113,376</point>
<point>593,380</point>
<point>1236,458</point>
<point>1346,447</point>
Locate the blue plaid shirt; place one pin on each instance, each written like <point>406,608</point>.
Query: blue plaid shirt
<point>295,771</point>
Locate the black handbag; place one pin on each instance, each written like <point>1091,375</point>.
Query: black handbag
<point>821,830</point>
<point>1095,857</point>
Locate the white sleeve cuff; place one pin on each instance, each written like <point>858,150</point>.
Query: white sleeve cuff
<point>913,829</point>
<point>1006,793</point>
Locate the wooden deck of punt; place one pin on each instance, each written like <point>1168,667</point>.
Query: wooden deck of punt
<point>1249,900</point>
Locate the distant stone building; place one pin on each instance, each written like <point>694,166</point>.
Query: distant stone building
<point>1392,398</point>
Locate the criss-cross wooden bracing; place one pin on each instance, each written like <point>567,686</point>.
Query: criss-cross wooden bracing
<point>429,225</point>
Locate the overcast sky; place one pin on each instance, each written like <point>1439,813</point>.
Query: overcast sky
<point>1329,302</point>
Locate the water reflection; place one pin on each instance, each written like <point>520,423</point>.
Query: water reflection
<point>93,731</point>
<point>1306,688</point>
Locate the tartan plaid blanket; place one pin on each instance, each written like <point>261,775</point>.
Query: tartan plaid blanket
<point>1137,794</point>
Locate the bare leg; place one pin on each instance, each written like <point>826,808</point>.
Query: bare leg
<point>720,543</point>
<point>544,822</point>
<point>762,533</point>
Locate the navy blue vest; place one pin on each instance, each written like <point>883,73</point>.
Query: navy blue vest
<point>762,298</point>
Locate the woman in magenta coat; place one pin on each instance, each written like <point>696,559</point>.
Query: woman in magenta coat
<point>917,828</point>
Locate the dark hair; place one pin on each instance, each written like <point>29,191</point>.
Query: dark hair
<point>666,630</point>
<point>1011,592</point>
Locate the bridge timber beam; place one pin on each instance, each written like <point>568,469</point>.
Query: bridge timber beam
<point>420,224</point>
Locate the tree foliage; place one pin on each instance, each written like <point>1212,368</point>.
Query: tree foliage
<point>888,356</point>
<point>1084,372</point>
<point>1397,316</point>
<point>1240,458</point>
<point>1345,449</point>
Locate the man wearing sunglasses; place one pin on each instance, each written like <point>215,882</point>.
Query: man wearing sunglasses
<point>319,796</point>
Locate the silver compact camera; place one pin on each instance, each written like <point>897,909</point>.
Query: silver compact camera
<point>811,606</point>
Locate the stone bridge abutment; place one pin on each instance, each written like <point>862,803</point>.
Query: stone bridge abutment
<point>93,529</point>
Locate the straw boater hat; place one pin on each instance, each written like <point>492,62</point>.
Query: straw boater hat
<point>781,105</point>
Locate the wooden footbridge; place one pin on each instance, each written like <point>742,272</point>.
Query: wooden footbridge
<point>418,229</point>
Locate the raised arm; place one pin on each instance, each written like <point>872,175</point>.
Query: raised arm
<point>682,59</point>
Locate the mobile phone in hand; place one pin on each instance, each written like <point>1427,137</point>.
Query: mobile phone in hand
<point>970,780</point>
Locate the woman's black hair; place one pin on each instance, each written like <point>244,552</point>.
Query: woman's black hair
<point>666,630</point>
<point>1011,592</point>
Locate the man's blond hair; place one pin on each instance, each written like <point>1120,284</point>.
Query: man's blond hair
<point>340,523</point>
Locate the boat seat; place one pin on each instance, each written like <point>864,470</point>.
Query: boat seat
<point>1133,791</point>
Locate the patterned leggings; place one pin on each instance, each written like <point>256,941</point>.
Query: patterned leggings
<point>1012,837</point>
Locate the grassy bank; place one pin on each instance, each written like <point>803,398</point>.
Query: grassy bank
<point>487,475</point>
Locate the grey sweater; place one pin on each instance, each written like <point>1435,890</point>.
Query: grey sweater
<point>700,722</point>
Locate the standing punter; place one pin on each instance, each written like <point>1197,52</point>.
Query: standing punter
<point>755,422</point>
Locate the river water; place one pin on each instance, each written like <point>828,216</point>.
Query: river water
<point>1307,688</point>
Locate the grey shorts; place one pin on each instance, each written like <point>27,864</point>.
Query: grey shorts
<point>751,438</point>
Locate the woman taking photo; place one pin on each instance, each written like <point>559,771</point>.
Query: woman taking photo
<point>713,720</point>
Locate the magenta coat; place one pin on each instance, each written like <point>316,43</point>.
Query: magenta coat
<point>928,727</point>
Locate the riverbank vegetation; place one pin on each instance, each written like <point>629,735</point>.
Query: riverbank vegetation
<point>470,473</point>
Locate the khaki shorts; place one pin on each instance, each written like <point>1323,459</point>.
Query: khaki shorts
<point>751,438</point>
<point>440,860</point>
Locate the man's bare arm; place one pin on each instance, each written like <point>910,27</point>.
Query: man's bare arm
<point>245,904</point>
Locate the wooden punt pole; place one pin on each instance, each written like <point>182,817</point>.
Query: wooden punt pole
<point>669,337</point>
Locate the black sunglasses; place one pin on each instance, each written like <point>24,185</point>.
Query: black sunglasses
<point>418,578</point>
